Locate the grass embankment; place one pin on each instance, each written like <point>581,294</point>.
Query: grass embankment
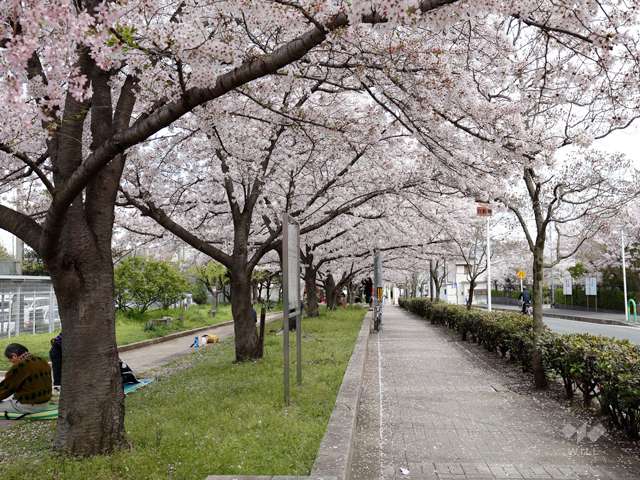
<point>216,417</point>
<point>128,329</point>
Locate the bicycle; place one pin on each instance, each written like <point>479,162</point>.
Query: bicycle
<point>377,318</point>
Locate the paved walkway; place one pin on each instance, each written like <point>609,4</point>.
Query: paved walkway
<point>434,408</point>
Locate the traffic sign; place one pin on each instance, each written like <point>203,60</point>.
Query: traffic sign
<point>521,274</point>
<point>567,286</point>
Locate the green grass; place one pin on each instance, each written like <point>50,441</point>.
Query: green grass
<point>128,330</point>
<point>216,417</point>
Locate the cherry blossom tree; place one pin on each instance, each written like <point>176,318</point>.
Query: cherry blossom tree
<point>84,84</point>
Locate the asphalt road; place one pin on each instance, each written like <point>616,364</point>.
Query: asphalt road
<point>561,325</point>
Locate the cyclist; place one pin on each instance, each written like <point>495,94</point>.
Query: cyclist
<point>525,298</point>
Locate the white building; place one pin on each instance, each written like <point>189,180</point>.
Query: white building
<point>457,286</point>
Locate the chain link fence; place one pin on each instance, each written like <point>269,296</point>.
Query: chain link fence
<point>28,305</point>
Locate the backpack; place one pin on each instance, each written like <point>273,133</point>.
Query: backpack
<point>127,374</point>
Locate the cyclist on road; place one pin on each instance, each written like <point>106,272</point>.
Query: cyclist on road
<point>525,297</point>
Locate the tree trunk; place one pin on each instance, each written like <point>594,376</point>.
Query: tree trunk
<point>310,282</point>
<point>472,287</point>
<point>330,292</point>
<point>254,292</point>
<point>350,293</point>
<point>91,410</point>
<point>540,378</point>
<point>246,338</point>
<point>268,292</point>
<point>263,317</point>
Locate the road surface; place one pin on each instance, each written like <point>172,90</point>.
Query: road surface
<point>561,325</point>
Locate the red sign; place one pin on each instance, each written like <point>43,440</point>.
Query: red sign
<point>483,210</point>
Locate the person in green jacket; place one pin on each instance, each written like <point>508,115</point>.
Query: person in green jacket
<point>27,385</point>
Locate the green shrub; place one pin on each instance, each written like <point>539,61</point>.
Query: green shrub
<point>601,368</point>
<point>141,282</point>
<point>199,292</point>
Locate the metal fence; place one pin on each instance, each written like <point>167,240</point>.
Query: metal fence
<point>27,305</point>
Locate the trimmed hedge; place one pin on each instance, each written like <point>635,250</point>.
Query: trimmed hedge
<point>601,368</point>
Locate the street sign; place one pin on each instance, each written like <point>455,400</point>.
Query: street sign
<point>291,294</point>
<point>521,274</point>
<point>483,209</point>
<point>567,286</point>
<point>591,286</point>
<point>291,255</point>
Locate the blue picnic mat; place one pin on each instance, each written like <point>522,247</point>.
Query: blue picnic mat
<point>51,413</point>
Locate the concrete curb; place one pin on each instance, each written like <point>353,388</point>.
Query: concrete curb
<point>547,313</point>
<point>184,333</point>
<point>171,336</point>
<point>335,454</point>
<point>601,321</point>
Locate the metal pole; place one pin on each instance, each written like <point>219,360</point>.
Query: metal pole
<point>51,297</point>
<point>624,278</point>
<point>298,322</point>
<point>431,279</point>
<point>553,283</point>
<point>488,266</point>
<point>285,307</point>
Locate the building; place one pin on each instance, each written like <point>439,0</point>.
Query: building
<point>457,286</point>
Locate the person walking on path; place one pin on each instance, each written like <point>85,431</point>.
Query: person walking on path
<point>525,297</point>
<point>26,387</point>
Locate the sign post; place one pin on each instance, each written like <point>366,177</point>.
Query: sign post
<point>291,297</point>
<point>567,286</point>
<point>591,289</point>
<point>484,210</point>
<point>378,289</point>
<point>521,274</point>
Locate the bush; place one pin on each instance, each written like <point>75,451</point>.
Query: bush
<point>199,292</point>
<point>141,282</point>
<point>601,368</point>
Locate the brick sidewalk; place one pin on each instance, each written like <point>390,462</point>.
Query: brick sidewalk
<point>447,414</point>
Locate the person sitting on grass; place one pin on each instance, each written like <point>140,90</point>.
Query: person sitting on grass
<point>26,387</point>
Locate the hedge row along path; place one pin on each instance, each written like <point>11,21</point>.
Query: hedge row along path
<point>434,408</point>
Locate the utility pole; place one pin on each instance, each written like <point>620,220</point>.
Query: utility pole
<point>431,279</point>
<point>488,264</point>
<point>624,277</point>
<point>553,284</point>
<point>483,209</point>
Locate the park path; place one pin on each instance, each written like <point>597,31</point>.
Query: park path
<point>145,359</point>
<point>435,408</point>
